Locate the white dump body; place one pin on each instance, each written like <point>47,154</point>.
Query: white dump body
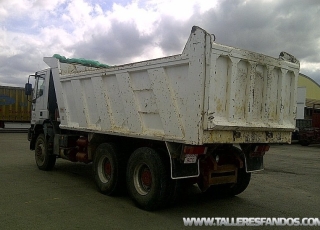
<point>208,94</point>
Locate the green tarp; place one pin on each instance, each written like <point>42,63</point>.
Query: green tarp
<point>85,62</point>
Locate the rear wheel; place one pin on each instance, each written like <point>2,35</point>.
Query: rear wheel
<point>44,160</point>
<point>304,142</point>
<point>109,169</point>
<point>241,185</point>
<point>148,179</point>
<point>243,180</point>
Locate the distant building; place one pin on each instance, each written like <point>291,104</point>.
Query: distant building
<point>312,94</point>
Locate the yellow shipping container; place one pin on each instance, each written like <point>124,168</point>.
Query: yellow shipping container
<point>14,105</point>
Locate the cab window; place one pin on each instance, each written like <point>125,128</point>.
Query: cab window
<point>40,86</point>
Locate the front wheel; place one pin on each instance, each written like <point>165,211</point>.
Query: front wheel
<point>44,160</point>
<point>148,179</point>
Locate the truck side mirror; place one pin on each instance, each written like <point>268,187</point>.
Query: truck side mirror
<point>28,89</point>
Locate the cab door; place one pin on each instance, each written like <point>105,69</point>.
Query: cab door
<point>40,97</point>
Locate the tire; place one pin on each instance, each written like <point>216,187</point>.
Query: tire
<point>109,169</point>
<point>44,160</point>
<point>241,185</point>
<point>176,187</point>
<point>304,143</point>
<point>148,179</point>
<point>227,190</point>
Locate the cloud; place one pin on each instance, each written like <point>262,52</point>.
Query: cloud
<point>132,30</point>
<point>270,27</point>
<point>120,44</point>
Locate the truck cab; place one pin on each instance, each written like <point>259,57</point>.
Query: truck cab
<point>44,110</point>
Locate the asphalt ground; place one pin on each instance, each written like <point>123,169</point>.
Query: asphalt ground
<point>67,197</point>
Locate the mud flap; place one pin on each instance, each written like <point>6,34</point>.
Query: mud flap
<point>254,163</point>
<point>180,170</point>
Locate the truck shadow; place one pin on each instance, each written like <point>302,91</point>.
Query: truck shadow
<point>191,198</point>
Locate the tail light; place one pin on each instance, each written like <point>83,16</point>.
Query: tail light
<point>195,149</point>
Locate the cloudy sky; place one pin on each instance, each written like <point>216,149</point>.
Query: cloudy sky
<point>122,31</point>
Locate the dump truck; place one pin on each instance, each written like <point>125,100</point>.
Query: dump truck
<point>14,106</point>
<point>206,116</point>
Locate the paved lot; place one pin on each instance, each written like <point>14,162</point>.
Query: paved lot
<point>67,198</point>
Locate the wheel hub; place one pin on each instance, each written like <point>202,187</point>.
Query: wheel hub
<point>142,179</point>
<point>104,169</point>
<point>107,168</point>
<point>40,152</point>
<point>146,178</point>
